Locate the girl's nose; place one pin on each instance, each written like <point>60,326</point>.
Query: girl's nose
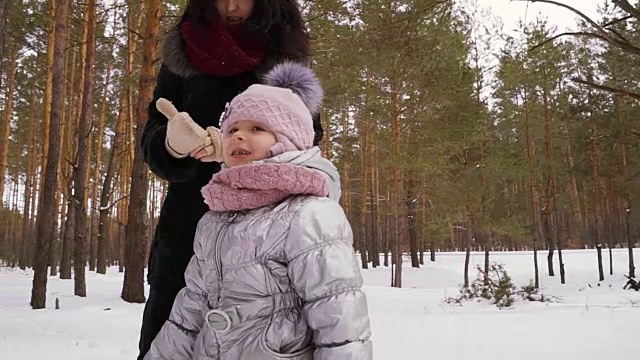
<point>231,5</point>
<point>238,136</point>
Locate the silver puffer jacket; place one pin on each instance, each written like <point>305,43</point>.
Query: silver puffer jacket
<point>278,282</point>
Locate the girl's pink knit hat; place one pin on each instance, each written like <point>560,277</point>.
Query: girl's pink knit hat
<point>284,104</point>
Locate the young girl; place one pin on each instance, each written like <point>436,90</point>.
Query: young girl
<point>216,50</point>
<point>274,275</point>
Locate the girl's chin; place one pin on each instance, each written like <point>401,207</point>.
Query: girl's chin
<point>237,161</point>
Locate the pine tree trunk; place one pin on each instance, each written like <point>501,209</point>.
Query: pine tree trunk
<point>412,218</point>
<point>486,260</point>
<point>4,16</point>
<point>82,168</point>
<point>67,241</point>
<point>467,252</point>
<point>609,222</point>
<point>559,246</point>
<point>152,212</point>
<point>8,114</point>
<point>574,218</point>
<point>28,185</point>
<point>550,186</point>
<point>67,134</point>
<point>48,91</point>
<point>133,286</point>
<point>595,159</point>
<point>626,208</point>
<point>47,208</point>
<point>325,145</point>
<point>547,231</point>
<point>345,172</point>
<point>600,266</point>
<point>396,186</point>
<point>364,191</point>
<point>9,238</point>
<point>375,240</point>
<point>95,221</point>
<point>123,206</point>
<point>627,231</point>
<point>385,232</point>
<point>426,236</point>
<point>106,191</point>
<point>56,244</point>
<point>533,193</point>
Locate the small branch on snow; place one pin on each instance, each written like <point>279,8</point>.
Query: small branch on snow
<point>633,303</point>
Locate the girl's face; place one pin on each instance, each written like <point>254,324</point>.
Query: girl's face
<point>246,141</point>
<point>234,12</point>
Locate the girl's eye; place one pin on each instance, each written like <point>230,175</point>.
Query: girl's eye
<point>257,128</point>
<point>232,130</point>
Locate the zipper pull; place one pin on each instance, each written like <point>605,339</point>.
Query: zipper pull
<point>234,214</point>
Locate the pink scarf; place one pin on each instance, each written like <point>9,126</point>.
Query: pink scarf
<point>253,186</point>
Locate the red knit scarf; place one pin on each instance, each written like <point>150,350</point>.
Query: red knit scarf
<point>222,50</point>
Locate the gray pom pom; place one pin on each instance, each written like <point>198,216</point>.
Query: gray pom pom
<point>299,79</point>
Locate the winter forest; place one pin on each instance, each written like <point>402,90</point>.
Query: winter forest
<point>450,134</point>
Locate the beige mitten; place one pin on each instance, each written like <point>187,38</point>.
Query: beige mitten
<point>183,134</point>
<point>213,146</point>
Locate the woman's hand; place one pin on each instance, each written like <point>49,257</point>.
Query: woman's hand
<point>211,150</point>
<point>183,134</point>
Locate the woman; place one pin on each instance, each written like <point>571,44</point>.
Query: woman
<point>216,50</point>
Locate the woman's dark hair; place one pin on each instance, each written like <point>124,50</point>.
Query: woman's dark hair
<point>280,20</point>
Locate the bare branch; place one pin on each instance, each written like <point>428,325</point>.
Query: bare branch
<point>621,92</point>
<point>113,204</point>
<point>619,35</point>
<point>618,41</point>
<point>575,11</point>
<point>615,21</point>
<point>630,9</point>
<point>573,33</point>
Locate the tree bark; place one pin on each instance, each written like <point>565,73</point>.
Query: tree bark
<point>364,191</point>
<point>396,185</point>
<point>8,114</point>
<point>133,286</point>
<point>29,185</point>
<point>4,15</point>
<point>105,194</point>
<point>47,207</point>
<point>551,182</point>
<point>67,133</point>
<point>95,211</point>
<point>575,218</point>
<point>375,241</point>
<point>467,253</point>
<point>412,218</point>
<point>82,166</point>
<point>559,246</point>
<point>626,208</point>
<point>533,191</point>
<point>595,159</point>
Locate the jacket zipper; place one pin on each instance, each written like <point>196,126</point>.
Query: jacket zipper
<point>217,257</point>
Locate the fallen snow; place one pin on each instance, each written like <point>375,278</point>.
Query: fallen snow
<point>592,323</point>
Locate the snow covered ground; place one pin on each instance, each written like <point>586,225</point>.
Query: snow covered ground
<point>592,323</point>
